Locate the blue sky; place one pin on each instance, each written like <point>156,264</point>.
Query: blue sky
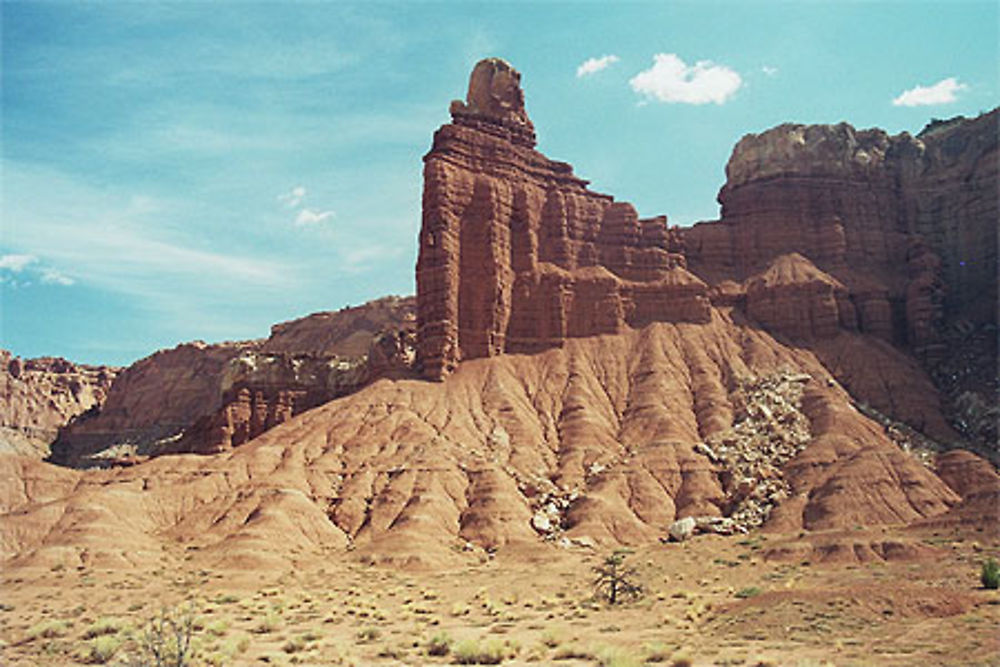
<point>183,171</point>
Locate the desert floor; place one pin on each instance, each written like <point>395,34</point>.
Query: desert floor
<point>868,596</point>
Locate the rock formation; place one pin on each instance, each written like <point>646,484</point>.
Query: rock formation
<point>207,398</point>
<point>517,255</point>
<point>749,391</point>
<point>347,332</point>
<point>906,224</point>
<point>903,228</point>
<point>38,396</point>
<point>607,430</point>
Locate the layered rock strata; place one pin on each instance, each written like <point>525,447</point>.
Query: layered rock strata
<point>517,254</point>
<point>907,224</point>
<point>207,398</point>
<point>38,396</point>
<point>605,436</point>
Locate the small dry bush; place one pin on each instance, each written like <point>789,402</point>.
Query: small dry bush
<point>472,652</point>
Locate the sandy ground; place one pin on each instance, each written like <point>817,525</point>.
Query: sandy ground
<point>712,600</point>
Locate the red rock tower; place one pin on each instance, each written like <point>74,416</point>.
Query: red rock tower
<point>516,254</point>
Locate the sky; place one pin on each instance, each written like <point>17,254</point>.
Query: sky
<point>201,170</point>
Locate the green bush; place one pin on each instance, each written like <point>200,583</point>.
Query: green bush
<point>615,581</point>
<point>990,574</point>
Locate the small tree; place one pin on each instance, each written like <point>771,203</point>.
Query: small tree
<point>616,581</point>
<point>990,574</point>
<point>166,639</point>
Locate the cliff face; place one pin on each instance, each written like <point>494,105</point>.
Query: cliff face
<point>907,224</point>
<point>346,333</point>
<point>38,396</point>
<point>208,398</point>
<point>516,254</point>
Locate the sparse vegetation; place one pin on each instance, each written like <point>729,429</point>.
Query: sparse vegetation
<point>368,634</point>
<point>656,652</point>
<point>270,622</point>
<point>615,581</point>
<point>103,648</point>
<point>471,652</point>
<point>439,644</point>
<point>166,638</point>
<point>295,645</point>
<point>226,599</point>
<point>47,630</point>
<point>613,656</point>
<point>989,574</point>
<point>104,626</point>
<point>747,592</point>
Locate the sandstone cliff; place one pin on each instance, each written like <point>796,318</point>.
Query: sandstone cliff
<point>517,254</point>
<point>905,230</point>
<point>907,224</point>
<point>38,396</point>
<point>743,392</point>
<point>605,438</point>
<point>347,332</point>
<point>206,398</point>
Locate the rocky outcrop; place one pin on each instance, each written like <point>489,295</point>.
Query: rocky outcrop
<point>261,390</point>
<point>903,231</point>
<point>794,298</point>
<point>39,396</point>
<point>600,442</point>
<point>347,332</point>
<point>150,403</point>
<point>907,224</point>
<point>517,254</point>
<point>199,398</point>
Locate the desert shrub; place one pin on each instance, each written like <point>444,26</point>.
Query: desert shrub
<point>165,640</point>
<point>616,581</point>
<point>551,638</point>
<point>217,628</point>
<point>657,652</point>
<point>573,652</point>
<point>439,644</point>
<point>104,626</point>
<point>989,575</point>
<point>236,645</point>
<point>471,652</point>
<point>103,648</point>
<point>47,630</point>
<point>295,645</point>
<point>368,634</point>
<point>270,622</point>
<point>612,656</point>
<point>747,592</point>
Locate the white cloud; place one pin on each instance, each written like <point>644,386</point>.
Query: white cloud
<point>307,217</point>
<point>768,70</point>
<point>670,80</point>
<point>16,263</point>
<point>942,92</point>
<point>594,65</point>
<point>53,277</point>
<point>294,197</point>
<point>31,267</point>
